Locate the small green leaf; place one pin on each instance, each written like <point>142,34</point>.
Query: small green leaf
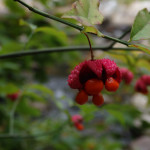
<point>26,109</point>
<point>144,64</point>
<point>141,27</point>
<point>118,115</point>
<point>59,36</point>
<point>42,89</point>
<point>88,111</point>
<point>87,13</point>
<point>14,8</point>
<point>24,23</point>
<point>33,96</point>
<point>8,88</point>
<point>144,48</point>
<point>10,47</point>
<point>92,29</point>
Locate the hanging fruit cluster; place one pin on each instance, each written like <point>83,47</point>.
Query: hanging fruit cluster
<point>78,122</point>
<point>142,83</point>
<point>90,77</point>
<point>127,75</point>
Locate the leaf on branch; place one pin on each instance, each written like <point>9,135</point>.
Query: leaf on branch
<point>141,27</point>
<point>87,13</point>
<point>144,48</point>
<point>92,29</point>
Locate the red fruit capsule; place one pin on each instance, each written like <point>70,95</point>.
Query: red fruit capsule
<point>111,84</point>
<point>93,86</point>
<point>98,100</point>
<point>76,118</point>
<point>81,97</point>
<point>79,126</point>
<point>13,96</point>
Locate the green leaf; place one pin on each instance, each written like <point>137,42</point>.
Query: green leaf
<point>141,27</point>
<point>25,23</point>
<point>42,88</point>
<point>10,47</point>
<point>144,64</point>
<point>88,111</point>
<point>33,96</point>
<point>144,48</point>
<point>54,33</point>
<point>125,114</point>
<point>87,13</point>
<point>9,65</point>
<point>8,88</point>
<point>14,8</point>
<point>118,115</point>
<point>92,29</point>
<point>26,109</point>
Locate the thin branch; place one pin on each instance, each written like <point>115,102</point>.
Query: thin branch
<point>122,36</point>
<point>62,49</point>
<point>80,28</point>
<point>50,16</point>
<point>116,40</point>
<point>12,115</point>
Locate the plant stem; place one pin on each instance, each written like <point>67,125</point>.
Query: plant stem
<point>116,40</point>
<point>80,28</point>
<point>122,36</point>
<point>29,38</point>
<point>12,115</point>
<point>92,56</point>
<point>50,16</point>
<point>62,49</point>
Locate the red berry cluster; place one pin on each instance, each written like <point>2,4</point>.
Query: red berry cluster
<point>13,96</point>
<point>91,76</point>
<point>142,83</point>
<point>127,75</point>
<point>78,122</point>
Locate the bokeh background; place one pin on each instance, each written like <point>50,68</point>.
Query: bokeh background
<point>46,103</point>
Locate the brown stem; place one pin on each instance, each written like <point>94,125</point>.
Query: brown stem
<point>91,50</point>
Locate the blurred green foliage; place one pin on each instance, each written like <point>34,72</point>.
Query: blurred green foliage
<point>42,119</point>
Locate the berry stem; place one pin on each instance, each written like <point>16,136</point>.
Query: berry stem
<point>91,50</point>
<point>12,115</point>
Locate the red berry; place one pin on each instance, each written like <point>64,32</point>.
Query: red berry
<point>146,79</point>
<point>13,96</point>
<point>79,126</point>
<point>111,84</point>
<point>81,97</point>
<point>140,86</point>
<point>98,100</point>
<point>77,118</point>
<point>127,75</point>
<point>93,86</point>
